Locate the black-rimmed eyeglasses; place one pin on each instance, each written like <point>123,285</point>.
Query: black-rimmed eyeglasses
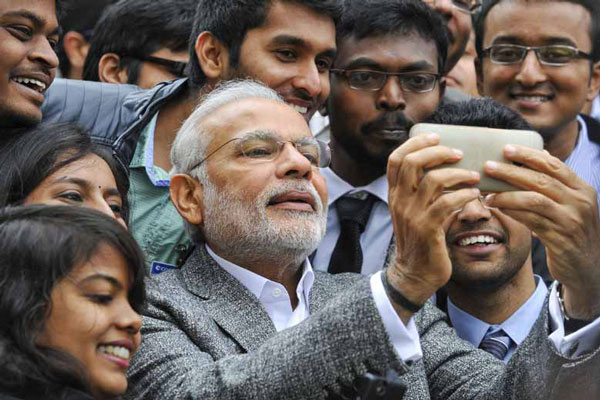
<point>268,149</point>
<point>554,55</point>
<point>176,68</point>
<point>417,82</point>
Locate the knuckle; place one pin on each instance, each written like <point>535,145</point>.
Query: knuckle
<point>411,159</point>
<point>537,202</point>
<point>554,164</point>
<point>543,181</point>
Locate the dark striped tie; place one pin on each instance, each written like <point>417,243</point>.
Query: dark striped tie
<point>496,343</point>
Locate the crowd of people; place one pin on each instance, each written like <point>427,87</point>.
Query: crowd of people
<point>221,199</point>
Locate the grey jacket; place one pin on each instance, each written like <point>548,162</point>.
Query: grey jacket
<point>206,337</point>
<point>115,115</point>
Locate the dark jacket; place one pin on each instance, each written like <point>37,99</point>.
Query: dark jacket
<point>115,115</point>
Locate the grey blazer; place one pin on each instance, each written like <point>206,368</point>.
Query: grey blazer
<point>206,337</point>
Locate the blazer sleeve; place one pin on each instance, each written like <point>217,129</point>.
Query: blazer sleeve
<point>309,361</point>
<point>456,370</point>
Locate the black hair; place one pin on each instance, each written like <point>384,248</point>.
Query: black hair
<point>135,29</point>
<point>30,155</point>
<point>79,16</point>
<point>593,6</point>
<point>39,246</point>
<point>230,20</point>
<point>483,112</point>
<point>362,19</point>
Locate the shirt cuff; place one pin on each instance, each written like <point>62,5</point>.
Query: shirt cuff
<point>404,338</point>
<point>584,341</point>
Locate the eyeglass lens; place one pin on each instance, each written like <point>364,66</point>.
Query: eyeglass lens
<point>553,55</point>
<point>269,149</point>
<point>374,80</point>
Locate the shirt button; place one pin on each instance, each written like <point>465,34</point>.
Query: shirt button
<point>277,292</point>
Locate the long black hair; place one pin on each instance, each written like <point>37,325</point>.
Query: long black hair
<point>28,156</point>
<point>39,246</point>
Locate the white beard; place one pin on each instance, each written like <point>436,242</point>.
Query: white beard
<point>245,230</point>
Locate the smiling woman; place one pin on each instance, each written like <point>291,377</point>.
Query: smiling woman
<point>58,164</point>
<point>71,287</point>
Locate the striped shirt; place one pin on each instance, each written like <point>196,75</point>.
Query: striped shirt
<point>585,159</point>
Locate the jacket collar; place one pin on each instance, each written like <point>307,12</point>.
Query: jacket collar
<point>229,303</point>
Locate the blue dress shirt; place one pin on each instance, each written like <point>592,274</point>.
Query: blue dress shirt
<point>517,326</point>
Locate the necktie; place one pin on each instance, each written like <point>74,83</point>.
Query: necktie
<point>496,343</point>
<point>353,213</point>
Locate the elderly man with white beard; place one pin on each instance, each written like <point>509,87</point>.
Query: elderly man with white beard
<point>246,317</point>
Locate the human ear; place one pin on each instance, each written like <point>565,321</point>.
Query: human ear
<point>594,86</point>
<point>187,195</point>
<point>76,49</point>
<point>212,55</point>
<point>110,71</point>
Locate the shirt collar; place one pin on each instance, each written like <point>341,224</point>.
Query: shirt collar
<point>517,326</point>
<point>255,283</point>
<point>337,187</point>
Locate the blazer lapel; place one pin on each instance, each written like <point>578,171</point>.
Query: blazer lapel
<point>237,311</point>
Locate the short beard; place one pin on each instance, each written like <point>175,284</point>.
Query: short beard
<point>243,230</point>
<point>504,272</point>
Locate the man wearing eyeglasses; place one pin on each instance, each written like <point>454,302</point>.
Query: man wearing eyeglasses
<point>540,59</point>
<point>141,43</point>
<point>232,39</point>
<point>387,77</point>
<point>248,318</point>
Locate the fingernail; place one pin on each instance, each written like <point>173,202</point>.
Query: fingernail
<point>491,165</point>
<point>489,199</point>
<point>475,175</point>
<point>510,150</point>
<point>432,137</point>
<point>458,152</point>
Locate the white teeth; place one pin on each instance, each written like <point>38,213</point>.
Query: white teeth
<point>30,81</point>
<point>301,110</point>
<point>536,99</point>
<point>481,239</point>
<point>117,351</point>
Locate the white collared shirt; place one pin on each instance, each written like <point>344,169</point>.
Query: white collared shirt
<point>404,338</point>
<point>377,236</point>
<point>275,299</point>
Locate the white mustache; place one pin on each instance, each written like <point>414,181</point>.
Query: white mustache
<point>288,186</point>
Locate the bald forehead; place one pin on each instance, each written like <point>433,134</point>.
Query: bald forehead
<point>252,114</point>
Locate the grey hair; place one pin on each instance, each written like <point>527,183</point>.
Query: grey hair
<point>189,147</point>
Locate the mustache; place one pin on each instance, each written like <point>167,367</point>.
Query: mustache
<point>288,186</point>
<point>388,121</point>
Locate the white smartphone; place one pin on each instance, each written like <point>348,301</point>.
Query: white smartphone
<point>480,145</point>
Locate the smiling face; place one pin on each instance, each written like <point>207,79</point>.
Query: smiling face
<point>28,35</point>
<point>291,53</point>
<point>369,125</point>
<point>548,97</point>
<point>86,182</point>
<point>487,248</point>
<point>91,319</point>
<point>258,206</point>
